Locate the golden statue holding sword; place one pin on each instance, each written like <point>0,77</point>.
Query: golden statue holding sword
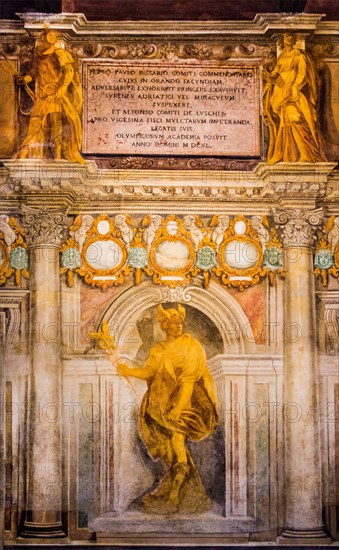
<point>54,130</point>
<point>179,405</point>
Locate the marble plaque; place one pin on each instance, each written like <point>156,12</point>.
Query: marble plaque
<point>183,109</point>
<point>172,255</point>
<point>240,254</point>
<point>104,255</point>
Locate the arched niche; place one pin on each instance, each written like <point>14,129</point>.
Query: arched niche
<point>124,313</point>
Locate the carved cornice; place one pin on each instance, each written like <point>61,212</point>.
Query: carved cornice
<point>11,298</point>
<point>77,24</point>
<point>61,185</point>
<point>298,226</point>
<point>290,174</point>
<point>330,298</point>
<point>44,227</point>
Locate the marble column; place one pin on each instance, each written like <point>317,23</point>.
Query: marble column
<point>44,470</point>
<point>303,504</point>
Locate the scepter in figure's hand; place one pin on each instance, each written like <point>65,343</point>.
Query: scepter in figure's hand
<point>106,342</point>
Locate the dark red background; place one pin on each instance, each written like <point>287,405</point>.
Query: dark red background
<point>163,9</point>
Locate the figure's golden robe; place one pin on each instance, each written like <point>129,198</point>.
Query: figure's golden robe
<point>173,364</point>
<point>294,131</point>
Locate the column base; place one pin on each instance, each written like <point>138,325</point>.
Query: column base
<point>302,537</point>
<point>42,530</point>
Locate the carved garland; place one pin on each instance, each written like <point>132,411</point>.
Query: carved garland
<point>170,51</point>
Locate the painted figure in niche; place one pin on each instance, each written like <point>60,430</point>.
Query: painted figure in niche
<point>54,130</point>
<point>290,107</point>
<point>179,405</point>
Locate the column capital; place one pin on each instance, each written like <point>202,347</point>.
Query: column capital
<point>298,226</point>
<point>44,227</point>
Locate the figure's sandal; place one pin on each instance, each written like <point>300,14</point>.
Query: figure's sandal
<point>180,471</point>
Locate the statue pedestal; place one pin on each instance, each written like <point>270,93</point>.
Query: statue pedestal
<point>137,528</point>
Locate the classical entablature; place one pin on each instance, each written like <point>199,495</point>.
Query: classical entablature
<point>88,188</point>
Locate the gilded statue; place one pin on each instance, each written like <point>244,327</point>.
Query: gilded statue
<point>290,107</point>
<point>178,406</point>
<point>54,129</point>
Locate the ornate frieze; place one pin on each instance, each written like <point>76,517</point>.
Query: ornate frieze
<point>172,250</point>
<point>174,50</point>
<point>87,187</point>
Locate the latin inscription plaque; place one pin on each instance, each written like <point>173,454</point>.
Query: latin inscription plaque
<point>161,109</point>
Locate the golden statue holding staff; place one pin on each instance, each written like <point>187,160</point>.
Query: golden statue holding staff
<point>290,107</point>
<point>54,129</point>
<point>179,405</point>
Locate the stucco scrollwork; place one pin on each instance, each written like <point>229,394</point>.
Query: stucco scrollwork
<point>178,294</point>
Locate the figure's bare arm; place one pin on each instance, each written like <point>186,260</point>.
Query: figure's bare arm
<point>65,80</point>
<point>301,72</point>
<point>67,75</point>
<point>143,373</point>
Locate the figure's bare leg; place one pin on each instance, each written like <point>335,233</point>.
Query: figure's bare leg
<point>179,468</point>
<point>32,145</point>
<point>56,134</point>
<point>180,471</point>
<point>179,448</point>
<point>165,483</point>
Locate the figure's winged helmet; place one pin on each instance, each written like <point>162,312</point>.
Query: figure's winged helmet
<point>165,315</point>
